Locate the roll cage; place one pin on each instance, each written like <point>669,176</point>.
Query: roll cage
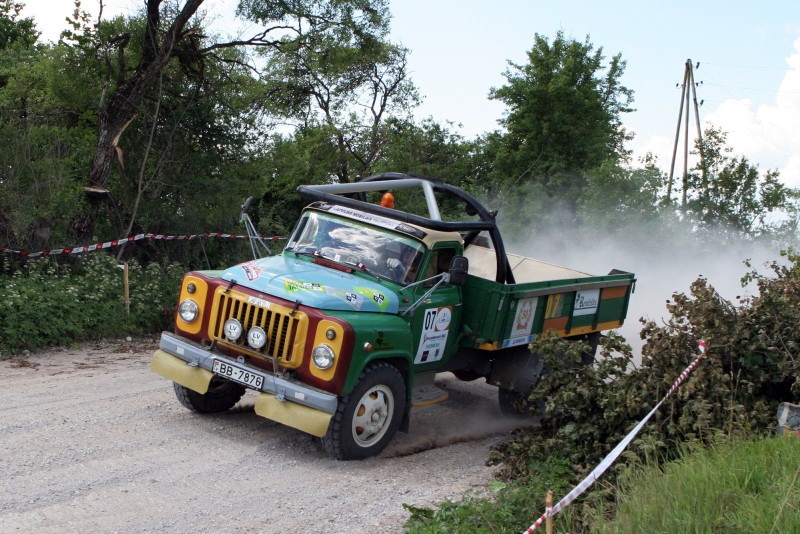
<point>334,194</point>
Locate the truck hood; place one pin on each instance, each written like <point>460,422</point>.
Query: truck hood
<point>313,285</point>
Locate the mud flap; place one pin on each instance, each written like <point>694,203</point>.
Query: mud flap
<point>168,366</point>
<point>309,420</point>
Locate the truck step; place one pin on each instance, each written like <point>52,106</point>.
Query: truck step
<point>425,391</point>
<point>425,395</point>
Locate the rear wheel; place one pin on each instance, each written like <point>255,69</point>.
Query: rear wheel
<point>221,395</point>
<point>515,404</point>
<point>367,419</point>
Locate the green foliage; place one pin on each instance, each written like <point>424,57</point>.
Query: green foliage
<point>729,194</point>
<point>564,113</point>
<point>335,72</point>
<point>752,363</point>
<point>618,196</point>
<point>15,32</point>
<point>748,486</point>
<point>46,303</point>
<point>508,506</point>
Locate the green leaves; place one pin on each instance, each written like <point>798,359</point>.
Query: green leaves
<point>47,304</point>
<point>728,194</point>
<point>752,363</point>
<point>564,112</point>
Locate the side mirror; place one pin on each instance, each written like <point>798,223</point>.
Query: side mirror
<point>459,266</point>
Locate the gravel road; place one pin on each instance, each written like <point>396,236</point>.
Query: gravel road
<point>92,441</point>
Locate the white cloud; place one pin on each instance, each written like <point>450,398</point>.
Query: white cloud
<point>767,134</point>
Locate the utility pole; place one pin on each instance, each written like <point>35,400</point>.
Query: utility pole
<point>688,97</point>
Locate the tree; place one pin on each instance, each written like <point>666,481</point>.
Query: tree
<point>172,34</point>
<point>344,79</point>
<point>564,115</point>
<point>728,194</point>
<point>15,31</point>
<point>620,197</point>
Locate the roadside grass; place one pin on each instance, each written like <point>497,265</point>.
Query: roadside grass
<point>744,486</point>
<point>505,510</point>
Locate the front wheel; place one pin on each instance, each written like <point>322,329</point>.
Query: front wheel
<point>221,395</point>
<point>368,418</point>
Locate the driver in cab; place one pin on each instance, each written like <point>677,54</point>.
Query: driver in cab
<point>403,270</point>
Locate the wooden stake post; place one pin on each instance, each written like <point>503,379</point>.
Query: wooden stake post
<point>127,292</point>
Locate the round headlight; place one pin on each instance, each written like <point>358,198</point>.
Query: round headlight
<point>232,329</point>
<point>323,356</point>
<point>188,311</point>
<point>256,337</point>
<point>331,334</point>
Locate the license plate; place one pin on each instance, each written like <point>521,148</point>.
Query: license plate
<point>238,374</point>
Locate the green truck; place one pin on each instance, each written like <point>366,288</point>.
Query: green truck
<point>343,331</point>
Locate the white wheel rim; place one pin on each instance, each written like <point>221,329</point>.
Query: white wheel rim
<point>372,415</point>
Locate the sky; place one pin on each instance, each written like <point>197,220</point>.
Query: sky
<point>748,54</point>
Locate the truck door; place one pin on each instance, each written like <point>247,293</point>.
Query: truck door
<point>435,322</point>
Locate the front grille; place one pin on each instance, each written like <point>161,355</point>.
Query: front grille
<point>283,328</point>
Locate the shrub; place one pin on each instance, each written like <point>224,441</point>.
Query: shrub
<point>752,363</point>
<point>46,303</point>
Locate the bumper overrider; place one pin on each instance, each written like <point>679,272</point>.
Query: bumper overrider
<point>280,399</point>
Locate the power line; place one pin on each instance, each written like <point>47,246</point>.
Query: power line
<point>745,66</point>
<point>752,88</point>
<point>768,105</point>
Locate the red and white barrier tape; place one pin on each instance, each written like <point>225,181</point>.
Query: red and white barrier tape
<point>137,237</point>
<point>613,455</point>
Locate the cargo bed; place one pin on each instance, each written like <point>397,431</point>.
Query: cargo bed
<point>544,297</point>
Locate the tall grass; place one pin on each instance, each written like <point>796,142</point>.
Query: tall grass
<point>745,486</point>
<point>48,303</point>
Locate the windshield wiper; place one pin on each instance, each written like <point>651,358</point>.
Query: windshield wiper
<point>304,251</point>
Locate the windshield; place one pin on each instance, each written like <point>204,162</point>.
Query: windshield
<point>378,251</point>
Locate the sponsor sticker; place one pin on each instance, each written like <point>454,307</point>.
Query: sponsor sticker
<point>586,302</point>
<point>377,298</point>
<point>251,270</point>
<point>433,339</point>
<point>292,286</point>
<point>523,318</point>
<point>376,220</point>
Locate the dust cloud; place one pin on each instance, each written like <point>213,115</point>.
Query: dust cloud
<point>666,260</point>
<point>470,413</point>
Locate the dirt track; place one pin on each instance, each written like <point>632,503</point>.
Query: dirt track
<point>92,441</point>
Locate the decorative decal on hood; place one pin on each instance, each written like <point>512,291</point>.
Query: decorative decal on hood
<point>380,300</point>
<point>316,286</point>
<point>293,286</point>
<point>354,300</point>
<point>251,270</point>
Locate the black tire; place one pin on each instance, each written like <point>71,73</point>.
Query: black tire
<point>367,419</point>
<point>221,395</point>
<point>515,404</point>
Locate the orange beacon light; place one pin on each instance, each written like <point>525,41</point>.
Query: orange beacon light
<point>388,200</point>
